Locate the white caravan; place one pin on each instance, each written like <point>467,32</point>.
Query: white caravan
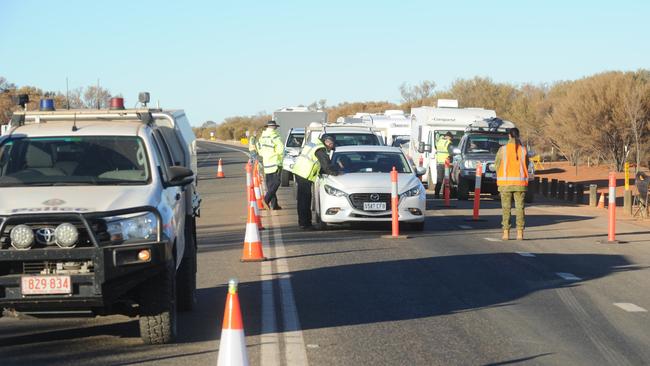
<point>429,123</point>
<point>392,124</point>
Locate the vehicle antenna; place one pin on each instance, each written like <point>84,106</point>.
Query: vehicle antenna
<point>67,93</point>
<point>74,124</point>
<point>98,103</point>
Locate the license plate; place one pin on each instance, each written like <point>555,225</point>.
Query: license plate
<point>46,285</point>
<point>374,206</point>
<point>490,175</point>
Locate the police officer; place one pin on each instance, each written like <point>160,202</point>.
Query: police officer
<point>313,160</point>
<point>271,149</point>
<point>252,145</point>
<point>443,151</point>
<point>512,180</point>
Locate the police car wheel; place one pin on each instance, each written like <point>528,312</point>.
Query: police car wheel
<point>158,316</point>
<point>186,289</point>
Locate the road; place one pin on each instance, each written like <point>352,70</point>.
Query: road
<point>453,294</point>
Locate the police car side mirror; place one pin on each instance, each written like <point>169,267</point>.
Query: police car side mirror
<point>179,176</point>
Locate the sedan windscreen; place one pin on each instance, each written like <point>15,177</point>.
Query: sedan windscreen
<point>370,162</point>
<point>94,160</point>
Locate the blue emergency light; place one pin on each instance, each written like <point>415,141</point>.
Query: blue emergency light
<point>46,105</point>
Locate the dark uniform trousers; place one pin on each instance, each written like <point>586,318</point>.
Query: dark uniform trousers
<point>304,200</point>
<point>440,168</point>
<point>272,185</point>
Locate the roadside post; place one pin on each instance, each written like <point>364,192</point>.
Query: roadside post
<point>570,191</point>
<point>394,206</point>
<point>554,188</point>
<point>593,195</point>
<point>249,181</point>
<point>561,190</point>
<point>627,194</point>
<point>545,187</point>
<point>477,191</point>
<point>611,234</point>
<point>580,193</point>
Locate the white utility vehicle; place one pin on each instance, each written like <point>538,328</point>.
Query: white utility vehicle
<point>97,214</point>
<point>292,146</point>
<point>429,123</point>
<point>363,192</point>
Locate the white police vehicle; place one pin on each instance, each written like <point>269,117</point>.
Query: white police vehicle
<point>97,214</point>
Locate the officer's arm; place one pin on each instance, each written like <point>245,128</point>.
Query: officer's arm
<point>326,166</point>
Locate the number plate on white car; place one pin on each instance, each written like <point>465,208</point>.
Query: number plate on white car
<point>374,206</point>
<point>46,285</point>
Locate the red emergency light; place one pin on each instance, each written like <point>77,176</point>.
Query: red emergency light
<point>117,103</point>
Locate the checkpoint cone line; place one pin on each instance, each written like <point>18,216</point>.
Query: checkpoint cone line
<point>258,215</point>
<point>252,243</point>
<point>220,170</point>
<point>258,192</point>
<point>232,346</point>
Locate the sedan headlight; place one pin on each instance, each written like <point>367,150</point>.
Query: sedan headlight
<point>133,227</point>
<point>412,192</point>
<point>334,192</point>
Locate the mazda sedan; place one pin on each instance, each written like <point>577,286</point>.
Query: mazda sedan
<point>362,193</point>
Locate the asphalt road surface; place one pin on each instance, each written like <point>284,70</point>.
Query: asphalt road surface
<point>453,294</point>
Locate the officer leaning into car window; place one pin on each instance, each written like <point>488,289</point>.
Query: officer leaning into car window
<point>313,161</point>
<point>271,149</point>
<point>443,151</point>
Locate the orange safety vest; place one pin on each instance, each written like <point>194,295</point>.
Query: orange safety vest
<point>513,171</point>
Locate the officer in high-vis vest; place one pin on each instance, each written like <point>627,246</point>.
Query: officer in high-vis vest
<point>271,149</point>
<point>443,151</point>
<point>313,160</point>
<point>512,179</point>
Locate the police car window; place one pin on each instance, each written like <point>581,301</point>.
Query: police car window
<point>174,144</point>
<point>169,160</point>
<point>353,139</point>
<point>295,140</point>
<point>370,162</point>
<point>79,160</point>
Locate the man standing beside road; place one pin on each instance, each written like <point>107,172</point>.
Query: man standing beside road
<point>443,152</point>
<point>313,160</point>
<point>512,180</point>
<point>271,149</point>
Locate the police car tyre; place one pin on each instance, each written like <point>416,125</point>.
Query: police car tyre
<point>285,177</point>
<point>463,189</point>
<point>158,318</point>
<point>186,278</point>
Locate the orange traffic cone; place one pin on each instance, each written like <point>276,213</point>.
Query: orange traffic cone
<point>258,192</point>
<point>601,201</point>
<point>232,346</point>
<point>220,170</point>
<point>258,216</point>
<point>252,243</point>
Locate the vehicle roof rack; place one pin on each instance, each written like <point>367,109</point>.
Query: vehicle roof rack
<point>145,115</point>
<point>490,125</point>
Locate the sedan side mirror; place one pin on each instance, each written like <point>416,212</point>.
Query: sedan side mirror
<point>179,176</point>
<point>420,171</point>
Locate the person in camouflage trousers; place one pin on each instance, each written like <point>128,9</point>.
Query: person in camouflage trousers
<point>512,179</point>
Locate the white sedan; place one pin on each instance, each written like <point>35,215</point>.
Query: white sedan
<point>363,192</point>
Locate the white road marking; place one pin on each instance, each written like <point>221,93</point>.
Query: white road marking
<point>525,254</point>
<point>568,276</point>
<point>630,308</point>
<point>270,340</point>
<point>295,352</point>
<point>465,227</point>
<point>492,239</point>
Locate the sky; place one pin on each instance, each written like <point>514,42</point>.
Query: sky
<point>217,59</point>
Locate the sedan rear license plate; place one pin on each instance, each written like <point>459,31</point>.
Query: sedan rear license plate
<point>374,206</point>
<point>46,285</point>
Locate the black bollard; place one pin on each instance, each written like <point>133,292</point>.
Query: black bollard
<point>545,187</point>
<point>580,193</point>
<point>570,191</point>
<point>536,186</point>
<point>554,188</point>
<point>561,190</point>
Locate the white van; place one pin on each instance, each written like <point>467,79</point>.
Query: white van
<point>97,214</point>
<point>429,123</point>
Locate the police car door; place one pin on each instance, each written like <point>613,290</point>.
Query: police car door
<point>173,198</point>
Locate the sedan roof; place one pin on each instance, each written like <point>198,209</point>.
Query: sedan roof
<point>372,148</point>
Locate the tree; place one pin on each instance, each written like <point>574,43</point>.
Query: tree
<point>412,94</point>
<point>636,105</point>
<point>96,97</point>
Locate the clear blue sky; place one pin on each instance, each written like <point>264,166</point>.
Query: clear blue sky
<point>223,58</point>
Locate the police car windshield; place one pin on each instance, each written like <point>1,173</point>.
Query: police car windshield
<point>295,140</point>
<point>353,139</point>
<point>477,144</point>
<point>370,162</point>
<point>83,160</point>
